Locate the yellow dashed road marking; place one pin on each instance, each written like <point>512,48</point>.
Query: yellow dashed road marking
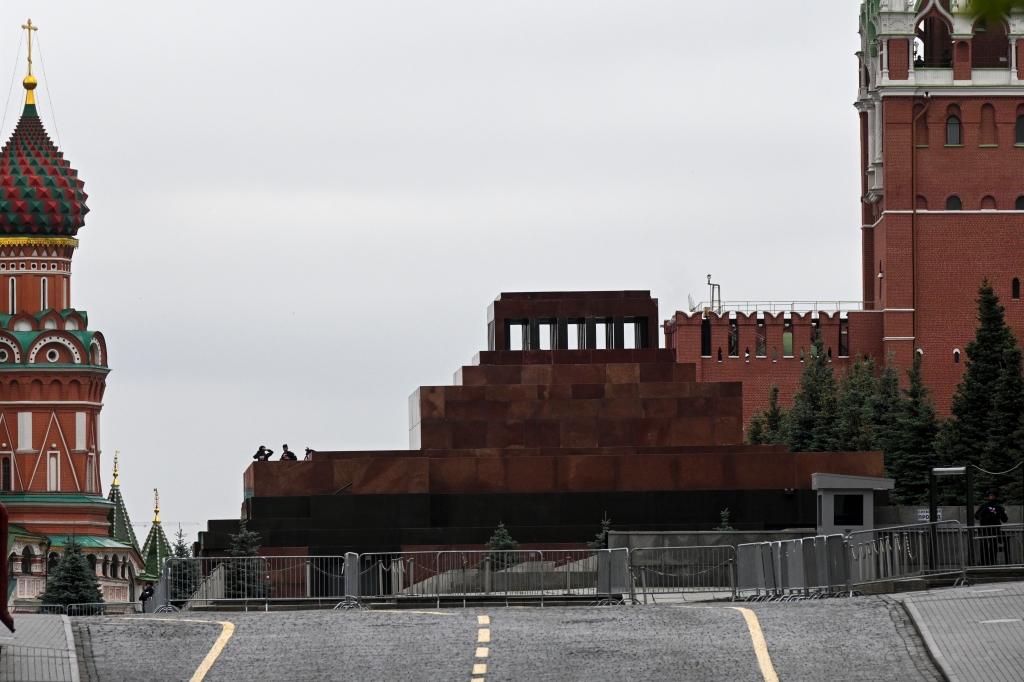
<point>483,635</point>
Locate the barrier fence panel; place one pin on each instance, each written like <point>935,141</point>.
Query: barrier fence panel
<point>664,570</point>
<point>995,546</point>
<point>905,552</point>
<point>478,573</point>
<point>104,609</point>
<point>202,581</point>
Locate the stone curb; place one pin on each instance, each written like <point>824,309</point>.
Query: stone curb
<point>933,649</point>
<point>72,653</point>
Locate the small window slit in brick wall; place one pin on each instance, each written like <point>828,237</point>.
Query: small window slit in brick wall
<point>734,337</point>
<point>760,340</point>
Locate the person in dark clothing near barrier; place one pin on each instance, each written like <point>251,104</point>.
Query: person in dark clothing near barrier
<point>263,454</point>
<point>287,455</point>
<point>146,595</point>
<point>990,515</point>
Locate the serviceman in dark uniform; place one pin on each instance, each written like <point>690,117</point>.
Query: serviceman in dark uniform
<point>990,515</point>
<point>263,454</point>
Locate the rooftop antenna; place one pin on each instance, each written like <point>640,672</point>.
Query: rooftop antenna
<point>714,296</point>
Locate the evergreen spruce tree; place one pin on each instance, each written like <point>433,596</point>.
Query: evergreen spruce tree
<point>600,540</point>
<point>501,545</point>
<point>1003,449</point>
<point>886,407</point>
<point>72,580</point>
<point>909,445</point>
<point>183,575</point>
<point>855,426</point>
<point>246,576</point>
<point>983,407</point>
<point>771,426</point>
<point>812,419</point>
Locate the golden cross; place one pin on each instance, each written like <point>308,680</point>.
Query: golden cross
<point>29,27</point>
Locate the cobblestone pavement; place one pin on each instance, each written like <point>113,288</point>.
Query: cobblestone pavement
<point>842,639</point>
<point>38,650</point>
<point>977,632</point>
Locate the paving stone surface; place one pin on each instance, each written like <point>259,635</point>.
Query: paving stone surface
<point>843,639</point>
<point>37,651</point>
<point>978,631</point>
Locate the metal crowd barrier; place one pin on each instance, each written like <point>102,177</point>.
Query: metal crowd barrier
<point>995,546</point>
<point>666,570</point>
<point>924,549</point>
<point>830,565</point>
<point>204,581</point>
<point>808,567</point>
<point>109,608</point>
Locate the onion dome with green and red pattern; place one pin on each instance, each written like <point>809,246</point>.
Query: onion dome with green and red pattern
<point>40,193</point>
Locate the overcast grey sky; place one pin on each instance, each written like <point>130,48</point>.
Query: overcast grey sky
<point>300,211</point>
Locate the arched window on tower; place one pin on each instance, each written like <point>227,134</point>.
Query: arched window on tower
<point>936,49</point>
<point>26,561</point>
<point>1018,131</point>
<point>1015,289</point>
<point>1019,204</point>
<point>953,136</point>
<point>44,294</point>
<point>954,204</point>
<point>51,562</point>
<point>12,297</point>
<point>5,474</point>
<point>956,356</point>
<point>990,47</point>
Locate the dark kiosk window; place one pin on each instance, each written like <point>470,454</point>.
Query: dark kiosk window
<point>954,204</point>
<point>849,510</point>
<point>953,130</point>
<point>1014,290</point>
<point>705,338</point>
<point>1019,131</point>
<point>5,472</point>
<point>1019,204</point>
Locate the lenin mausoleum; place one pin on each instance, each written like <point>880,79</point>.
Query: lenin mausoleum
<point>575,411</point>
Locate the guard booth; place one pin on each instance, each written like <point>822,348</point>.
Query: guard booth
<point>846,503</point>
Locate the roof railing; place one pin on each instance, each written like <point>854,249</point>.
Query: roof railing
<point>721,307</point>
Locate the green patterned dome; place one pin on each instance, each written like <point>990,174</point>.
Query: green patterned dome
<point>40,194</point>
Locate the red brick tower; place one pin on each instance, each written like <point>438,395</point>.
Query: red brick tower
<point>941,105</point>
<point>52,366</point>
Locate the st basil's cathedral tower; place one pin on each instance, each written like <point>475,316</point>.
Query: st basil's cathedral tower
<point>53,369</point>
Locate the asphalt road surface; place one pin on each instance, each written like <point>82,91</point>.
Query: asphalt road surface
<point>864,638</point>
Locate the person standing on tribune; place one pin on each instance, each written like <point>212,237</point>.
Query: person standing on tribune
<point>287,455</point>
<point>263,454</point>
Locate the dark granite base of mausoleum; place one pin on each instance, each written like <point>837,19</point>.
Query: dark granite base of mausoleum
<point>386,523</point>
